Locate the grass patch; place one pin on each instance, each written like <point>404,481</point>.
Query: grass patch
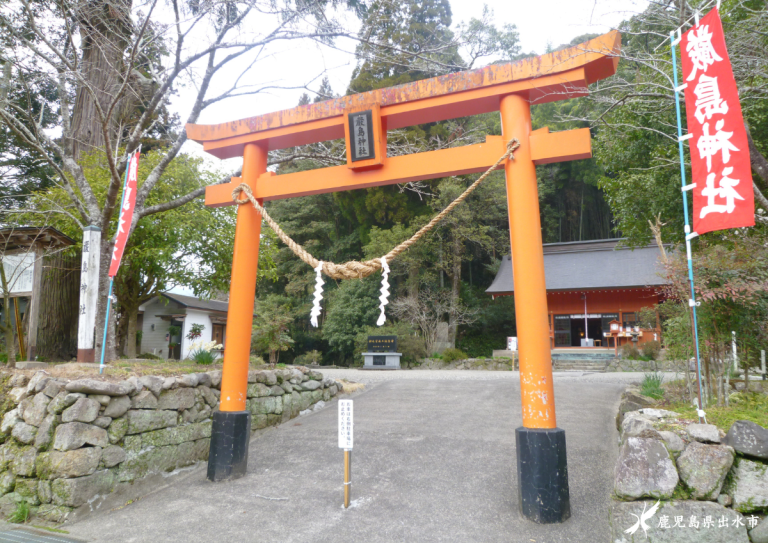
<point>21,514</point>
<point>651,385</point>
<point>744,406</point>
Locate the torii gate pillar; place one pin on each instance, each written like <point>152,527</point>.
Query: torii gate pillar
<point>542,467</point>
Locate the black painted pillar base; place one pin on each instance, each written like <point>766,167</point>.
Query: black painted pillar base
<point>230,435</point>
<point>542,475</point>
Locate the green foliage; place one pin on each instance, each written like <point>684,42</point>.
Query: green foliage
<point>744,406</point>
<point>651,385</point>
<point>630,351</point>
<point>351,309</point>
<point>174,330</point>
<point>313,357</point>
<point>21,514</point>
<point>271,326</point>
<point>651,349</point>
<point>202,356</point>
<point>452,355</point>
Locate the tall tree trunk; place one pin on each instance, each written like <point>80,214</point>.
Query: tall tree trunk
<point>105,31</point>
<point>458,251</point>
<point>130,337</point>
<point>59,298</point>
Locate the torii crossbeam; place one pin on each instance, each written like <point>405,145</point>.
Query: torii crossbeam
<point>363,120</point>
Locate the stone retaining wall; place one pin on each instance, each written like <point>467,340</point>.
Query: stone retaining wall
<point>689,481</point>
<point>623,364</point>
<point>67,443</point>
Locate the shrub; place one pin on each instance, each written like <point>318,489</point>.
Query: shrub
<point>149,356</point>
<point>201,353</point>
<point>651,385</point>
<point>629,351</point>
<point>651,349</point>
<point>451,355</point>
<point>409,343</point>
<point>313,357</point>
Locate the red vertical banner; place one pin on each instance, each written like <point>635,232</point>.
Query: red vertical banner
<point>723,196</point>
<point>126,214</point>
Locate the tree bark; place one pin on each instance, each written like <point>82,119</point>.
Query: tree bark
<point>458,251</point>
<point>130,338</point>
<point>10,346</point>
<point>59,298</point>
<point>105,30</point>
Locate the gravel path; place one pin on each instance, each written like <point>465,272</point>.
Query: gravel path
<point>377,376</point>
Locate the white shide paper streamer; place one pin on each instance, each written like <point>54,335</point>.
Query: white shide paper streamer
<point>318,295</point>
<point>384,291</point>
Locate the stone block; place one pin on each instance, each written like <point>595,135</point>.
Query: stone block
<point>152,383</point>
<point>306,400</point>
<point>311,385</point>
<point>103,399</point>
<point>83,410</point>
<point>93,386</point>
<point>118,406</point>
<point>7,482</point>
<point>177,435</point>
<point>39,378</point>
<point>203,379</point>
<point>63,400</point>
<point>674,442</point>
<point>162,459</point>
<point>132,443</point>
<point>112,456</point>
<point>259,421</point>
<point>27,489</point>
<point>326,395</point>
<point>18,394</point>
<point>18,380</point>
<point>44,491</point>
<point>209,397</point>
<point>140,420</point>
<point>45,432</point>
<point>258,390</point>
<point>177,398</point>
<point>276,390</point>
<point>117,430</point>
<point>103,422</point>
<point>644,469</point>
<point>748,438</point>
<point>23,461</point>
<point>703,469</point>
<point>317,394</point>
<point>759,534</point>
<point>73,435</point>
<point>52,389</point>
<point>24,433</point>
<point>76,492</point>
<point>36,409</point>
<point>706,433</point>
<point>77,463</point>
<point>216,378</point>
<point>54,513</point>
<point>10,419</point>
<point>749,485</point>
<point>274,420</point>
<point>144,400</point>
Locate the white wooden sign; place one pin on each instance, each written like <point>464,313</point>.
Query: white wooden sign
<point>19,272</point>
<point>89,287</point>
<point>346,432</point>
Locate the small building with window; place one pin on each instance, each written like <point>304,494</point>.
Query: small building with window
<point>591,284</point>
<point>166,320</point>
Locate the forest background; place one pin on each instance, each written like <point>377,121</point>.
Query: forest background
<point>629,189</point>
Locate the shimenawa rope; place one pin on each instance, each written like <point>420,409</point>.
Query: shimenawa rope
<point>354,269</point>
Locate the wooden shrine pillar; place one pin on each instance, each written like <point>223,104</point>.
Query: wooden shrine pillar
<point>542,467</point>
<point>231,432</point>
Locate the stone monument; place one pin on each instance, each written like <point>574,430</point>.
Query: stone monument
<point>382,353</point>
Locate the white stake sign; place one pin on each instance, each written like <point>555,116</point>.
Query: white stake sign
<point>346,433</point>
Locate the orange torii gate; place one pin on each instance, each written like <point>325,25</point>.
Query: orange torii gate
<point>508,88</point>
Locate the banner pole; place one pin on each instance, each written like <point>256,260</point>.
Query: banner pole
<point>688,235</point>
<point>111,279</point>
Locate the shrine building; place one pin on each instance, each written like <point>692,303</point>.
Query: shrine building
<point>591,284</point>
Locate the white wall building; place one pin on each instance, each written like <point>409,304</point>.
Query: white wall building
<point>168,319</point>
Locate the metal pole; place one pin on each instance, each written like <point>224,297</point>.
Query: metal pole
<point>347,476</point>
<point>106,326</point>
<point>688,235</point>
